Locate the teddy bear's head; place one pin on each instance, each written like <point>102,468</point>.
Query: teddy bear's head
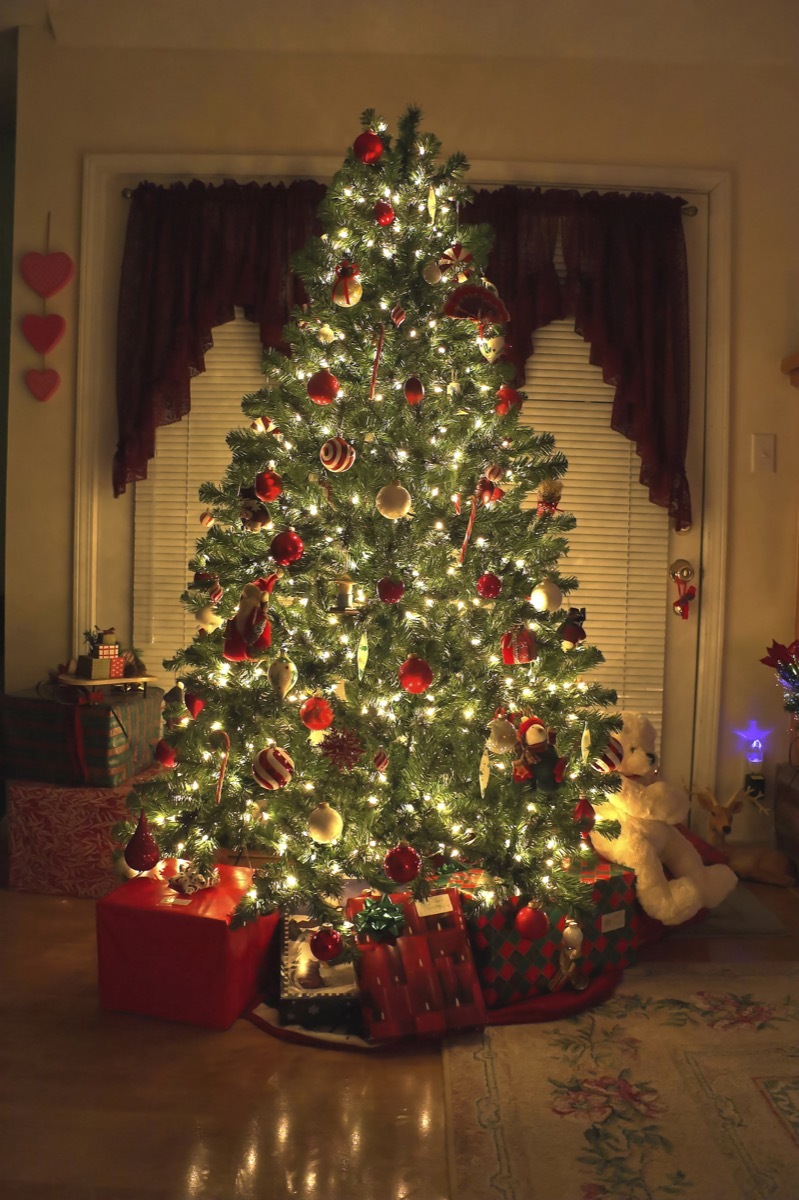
<point>637,739</point>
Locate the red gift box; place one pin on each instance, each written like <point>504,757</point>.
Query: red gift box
<point>177,957</point>
<point>425,983</point>
<point>60,839</point>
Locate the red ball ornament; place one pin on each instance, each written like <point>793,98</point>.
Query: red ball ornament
<point>141,852</point>
<point>531,923</point>
<point>390,591</point>
<point>518,645</point>
<point>165,754</point>
<point>268,486</point>
<point>316,713</point>
<point>415,675</point>
<point>507,399</point>
<point>286,547</point>
<point>323,387</point>
<point>368,147</point>
<point>326,943</point>
<point>489,586</point>
<point>383,213</point>
<point>402,864</point>
<point>414,390</point>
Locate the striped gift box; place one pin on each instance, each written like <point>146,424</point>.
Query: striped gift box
<point>101,742</point>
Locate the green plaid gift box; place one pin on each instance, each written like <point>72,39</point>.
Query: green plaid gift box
<point>100,743</point>
<point>512,968</point>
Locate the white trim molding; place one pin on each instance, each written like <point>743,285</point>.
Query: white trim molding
<point>101,175</point>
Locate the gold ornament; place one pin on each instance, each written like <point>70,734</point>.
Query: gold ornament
<point>393,501</point>
<point>491,348</point>
<point>432,273</point>
<point>325,335</point>
<point>347,292</point>
<point>325,824</point>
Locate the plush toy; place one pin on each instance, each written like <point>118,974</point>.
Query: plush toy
<point>648,810</point>
<point>539,763</point>
<point>248,634</point>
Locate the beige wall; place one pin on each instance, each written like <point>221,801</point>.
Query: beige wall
<point>742,119</point>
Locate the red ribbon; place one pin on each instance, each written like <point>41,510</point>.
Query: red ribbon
<point>547,506</point>
<point>377,361</point>
<point>685,595</point>
<point>344,272</point>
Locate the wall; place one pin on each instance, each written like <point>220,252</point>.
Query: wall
<point>74,101</point>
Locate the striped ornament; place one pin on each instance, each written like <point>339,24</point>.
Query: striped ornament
<point>272,768</point>
<point>611,759</point>
<point>381,760</point>
<point>337,455</point>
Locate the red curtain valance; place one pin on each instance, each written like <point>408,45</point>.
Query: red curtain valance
<point>626,285</point>
<point>193,253</point>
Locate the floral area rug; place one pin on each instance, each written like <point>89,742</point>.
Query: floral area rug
<point>683,1084</point>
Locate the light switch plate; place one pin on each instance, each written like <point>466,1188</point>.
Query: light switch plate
<point>764,452</point>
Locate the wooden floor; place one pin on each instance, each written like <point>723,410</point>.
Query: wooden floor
<point>101,1106</point>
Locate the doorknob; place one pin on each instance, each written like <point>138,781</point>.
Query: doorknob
<point>681,570</point>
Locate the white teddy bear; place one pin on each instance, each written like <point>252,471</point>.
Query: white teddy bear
<point>648,810</point>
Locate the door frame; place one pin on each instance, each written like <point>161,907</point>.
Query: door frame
<point>100,191</point>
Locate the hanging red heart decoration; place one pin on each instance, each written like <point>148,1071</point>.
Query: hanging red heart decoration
<point>43,333</point>
<point>42,384</point>
<point>47,274</point>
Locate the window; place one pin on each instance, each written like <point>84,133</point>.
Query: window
<point>619,548</point>
<point>167,512</point>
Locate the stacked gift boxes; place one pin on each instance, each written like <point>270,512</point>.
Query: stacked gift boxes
<point>103,660</point>
<point>312,993</point>
<point>423,983</point>
<point>513,968</point>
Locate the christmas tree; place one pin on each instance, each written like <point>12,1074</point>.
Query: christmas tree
<point>388,684</point>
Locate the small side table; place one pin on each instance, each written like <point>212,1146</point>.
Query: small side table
<point>91,684</point>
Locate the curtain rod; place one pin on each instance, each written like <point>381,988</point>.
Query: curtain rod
<point>688,210</point>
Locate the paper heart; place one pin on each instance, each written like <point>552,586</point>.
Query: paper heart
<point>42,384</point>
<point>44,333</point>
<point>47,273</point>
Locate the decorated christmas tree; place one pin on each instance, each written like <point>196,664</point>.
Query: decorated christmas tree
<point>388,684</point>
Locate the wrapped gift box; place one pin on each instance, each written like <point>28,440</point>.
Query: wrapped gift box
<point>60,839</point>
<point>106,650</point>
<point>424,982</point>
<point>176,957</point>
<point>314,994</point>
<point>95,739</point>
<point>512,968</point>
<point>91,666</point>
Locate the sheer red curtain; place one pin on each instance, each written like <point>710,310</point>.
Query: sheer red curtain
<point>193,253</point>
<point>626,286</point>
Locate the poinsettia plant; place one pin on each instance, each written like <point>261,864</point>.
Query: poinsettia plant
<point>785,661</point>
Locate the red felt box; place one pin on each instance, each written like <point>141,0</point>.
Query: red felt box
<point>59,838</point>
<point>425,984</point>
<point>177,957</point>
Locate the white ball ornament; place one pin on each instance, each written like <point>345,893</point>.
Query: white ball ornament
<point>502,736</point>
<point>272,768</point>
<point>432,273</point>
<point>325,824</point>
<point>546,597</point>
<point>491,348</point>
<point>393,501</point>
<point>337,455</point>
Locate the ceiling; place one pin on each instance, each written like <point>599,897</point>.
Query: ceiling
<point>764,32</point>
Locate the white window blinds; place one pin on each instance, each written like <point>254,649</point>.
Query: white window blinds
<point>619,549</point>
<point>167,510</point>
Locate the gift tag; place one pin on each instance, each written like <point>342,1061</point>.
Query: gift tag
<point>614,920</point>
<point>434,906</point>
<point>176,900</point>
